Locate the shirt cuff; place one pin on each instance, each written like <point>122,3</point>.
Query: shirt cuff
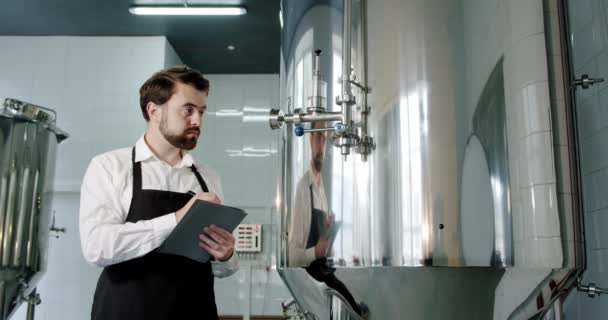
<point>163,226</point>
<point>222,269</point>
<point>232,261</point>
<point>310,255</point>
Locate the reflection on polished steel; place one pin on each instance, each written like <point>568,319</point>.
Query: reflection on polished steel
<point>339,308</point>
<point>348,134</point>
<point>411,221</point>
<point>489,126</point>
<point>28,141</point>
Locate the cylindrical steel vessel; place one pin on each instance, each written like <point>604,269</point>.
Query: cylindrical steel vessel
<point>28,142</point>
<point>429,214</point>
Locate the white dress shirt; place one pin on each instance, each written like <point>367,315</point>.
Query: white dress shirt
<point>106,238</point>
<point>299,227</point>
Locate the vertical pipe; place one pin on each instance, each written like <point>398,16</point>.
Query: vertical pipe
<point>346,62</point>
<point>3,199</point>
<point>32,222</point>
<point>247,314</point>
<point>20,219</point>
<point>364,109</point>
<point>574,151</point>
<point>31,305</point>
<point>574,277</point>
<point>8,219</point>
<point>2,299</point>
<point>314,99</point>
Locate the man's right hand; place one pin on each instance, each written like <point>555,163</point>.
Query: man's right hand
<point>321,248</point>
<point>206,196</point>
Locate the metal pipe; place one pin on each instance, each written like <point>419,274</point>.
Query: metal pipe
<point>574,150</point>
<point>563,288</point>
<point>32,301</point>
<point>8,221</point>
<point>247,315</point>
<point>346,63</point>
<point>325,116</point>
<point>592,290</point>
<point>20,218</point>
<point>364,109</point>
<point>573,278</point>
<point>350,312</point>
<point>3,199</point>
<point>32,223</point>
<point>282,209</point>
<point>2,299</point>
<point>316,97</point>
<point>320,129</point>
<point>30,311</point>
<point>315,75</point>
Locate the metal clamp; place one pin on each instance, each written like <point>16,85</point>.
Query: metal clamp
<point>33,298</point>
<point>55,229</point>
<point>591,289</point>
<point>345,100</point>
<point>277,119</point>
<point>585,82</point>
<point>366,146</point>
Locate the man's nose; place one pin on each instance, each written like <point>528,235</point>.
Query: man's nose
<point>196,119</point>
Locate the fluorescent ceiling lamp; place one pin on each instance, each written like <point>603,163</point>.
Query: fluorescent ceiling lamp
<point>187,11</point>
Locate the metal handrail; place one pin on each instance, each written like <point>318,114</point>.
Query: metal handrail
<point>351,312</point>
<point>573,278</point>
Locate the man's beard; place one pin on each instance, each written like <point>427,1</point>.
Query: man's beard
<point>181,141</point>
<point>317,162</point>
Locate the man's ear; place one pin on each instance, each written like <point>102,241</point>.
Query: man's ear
<point>153,111</point>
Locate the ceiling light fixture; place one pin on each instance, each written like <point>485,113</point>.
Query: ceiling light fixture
<point>187,10</point>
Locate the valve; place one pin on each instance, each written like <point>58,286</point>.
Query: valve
<point>299,131</point>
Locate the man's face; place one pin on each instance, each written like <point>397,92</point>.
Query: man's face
<point>317,146</point>
<point>182,116</point>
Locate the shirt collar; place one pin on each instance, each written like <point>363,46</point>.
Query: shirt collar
<point>312,179</point>
<point>143,153</point>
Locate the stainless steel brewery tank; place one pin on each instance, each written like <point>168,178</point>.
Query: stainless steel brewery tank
<point>419,172</point>
<point>28,144</point>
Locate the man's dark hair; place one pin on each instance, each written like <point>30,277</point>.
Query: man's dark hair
<point>161,86</point>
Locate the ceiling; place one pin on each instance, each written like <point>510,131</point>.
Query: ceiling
<point>201,42</point>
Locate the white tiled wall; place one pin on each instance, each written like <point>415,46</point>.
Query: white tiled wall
<point>171,57</point>
<point>93,84</point>
<point>238,143</point>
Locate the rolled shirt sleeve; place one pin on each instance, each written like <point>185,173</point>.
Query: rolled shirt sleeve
<point>106,238</point>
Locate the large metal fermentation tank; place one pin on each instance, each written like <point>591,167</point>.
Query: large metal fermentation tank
<point>28,144</point>
<point>426,217</point>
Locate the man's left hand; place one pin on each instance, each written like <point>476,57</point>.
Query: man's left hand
<point>219,242</point>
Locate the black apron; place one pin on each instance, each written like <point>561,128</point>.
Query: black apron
<point>322,269</point>
<point>317,224</point>
<point>155,286</point>
<point>320,266</point>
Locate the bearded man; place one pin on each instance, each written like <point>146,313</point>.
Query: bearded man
<point>132,198</point>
